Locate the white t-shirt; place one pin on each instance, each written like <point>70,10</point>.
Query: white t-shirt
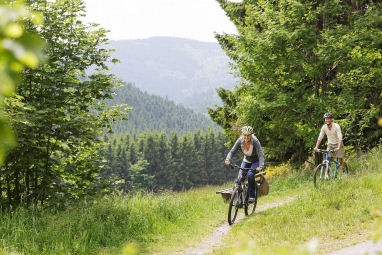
<point>334,135</point>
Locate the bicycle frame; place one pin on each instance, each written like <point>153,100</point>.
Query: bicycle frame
<point>239,195</point>
<point>323,170</point>
<point>328,161</point>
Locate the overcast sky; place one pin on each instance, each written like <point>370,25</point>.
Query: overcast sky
<point>138,19</point>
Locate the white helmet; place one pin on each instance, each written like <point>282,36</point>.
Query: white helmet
<point>247,130</point>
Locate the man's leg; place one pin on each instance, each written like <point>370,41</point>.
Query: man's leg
<point>341,158</point>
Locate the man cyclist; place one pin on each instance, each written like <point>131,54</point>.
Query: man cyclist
<point>333,133</point>
<point>253,157</point>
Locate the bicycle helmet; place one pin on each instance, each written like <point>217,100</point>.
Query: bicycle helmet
<point>247,130</point>
<point>328,115</point>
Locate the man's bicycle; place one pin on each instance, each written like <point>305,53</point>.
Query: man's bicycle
<point>239,195</point>
<point>328,169</point>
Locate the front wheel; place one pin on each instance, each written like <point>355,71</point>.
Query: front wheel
<point>234,205</point>
<point>321,174</point>
<point>249,208</point>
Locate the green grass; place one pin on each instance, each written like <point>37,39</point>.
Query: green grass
<point>152,222</point>
<point>320,220</point>
<point>326,218</point>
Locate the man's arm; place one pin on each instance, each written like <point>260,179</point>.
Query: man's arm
<point>319,139</point>
<point>339,135</point>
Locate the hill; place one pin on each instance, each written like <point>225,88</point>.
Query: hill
<point>154,113</point>
<point>183,70</point>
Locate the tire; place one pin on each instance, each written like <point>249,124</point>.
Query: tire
<point>319,173</point>
<point>233,206</point>
<point>249,208</point>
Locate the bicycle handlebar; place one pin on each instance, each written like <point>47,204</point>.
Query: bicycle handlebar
<point>248,169</point>
<point>324,151</point>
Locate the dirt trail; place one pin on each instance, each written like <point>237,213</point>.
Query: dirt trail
<point>207,245</point>
<point>214,240</point>
<point>368,247</point>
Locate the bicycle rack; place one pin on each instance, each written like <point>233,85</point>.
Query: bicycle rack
<point>226,194</point>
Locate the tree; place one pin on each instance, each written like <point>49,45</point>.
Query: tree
<point>164,176</point>
<point>296,59</point>
<point>19,49</point>
<point>176,168</point>
<point>61,117</point>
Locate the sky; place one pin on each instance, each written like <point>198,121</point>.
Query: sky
<point>141,19</point>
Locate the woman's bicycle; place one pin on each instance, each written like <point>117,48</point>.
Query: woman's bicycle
<point>328,169</point>
<point>240,196</point>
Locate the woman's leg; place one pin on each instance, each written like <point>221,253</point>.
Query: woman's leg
<point>251,179</point>
<point>243,165</point>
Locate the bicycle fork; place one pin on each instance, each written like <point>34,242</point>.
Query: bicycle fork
<point>324,171</point>
<point>240,198</point>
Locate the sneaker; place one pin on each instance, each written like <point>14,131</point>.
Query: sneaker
<point>251,200</point>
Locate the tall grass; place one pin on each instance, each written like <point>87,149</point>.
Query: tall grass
<point>323,219</point>
<point>320,220</point>
<point>105,227</point>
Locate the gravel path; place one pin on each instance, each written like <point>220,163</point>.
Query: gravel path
<point>214,240</point>
<point>207,245</point>
<point>368,247</point>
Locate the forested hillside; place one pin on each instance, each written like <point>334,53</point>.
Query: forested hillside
<point>296,60</point>
<point>154,113</point>
<point>67,186</point>
<point>183,70</point>
<point>60,115</point>
<point>157,162</point>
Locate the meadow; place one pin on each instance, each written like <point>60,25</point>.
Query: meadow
<point>316,221</point>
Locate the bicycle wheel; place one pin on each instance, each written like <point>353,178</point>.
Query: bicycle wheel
<point>234,205</point>
<point>321,174</point>
<point>249,208</point>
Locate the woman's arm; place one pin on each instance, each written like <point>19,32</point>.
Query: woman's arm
<point>234,149</point>
<point>260,154</point>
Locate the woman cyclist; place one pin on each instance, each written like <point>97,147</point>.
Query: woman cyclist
<point>253,157</point>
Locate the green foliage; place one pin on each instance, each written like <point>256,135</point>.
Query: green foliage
<point>57,112</point>
<point>157,162</point>
<point>299,59</point>
<point>18,49</point>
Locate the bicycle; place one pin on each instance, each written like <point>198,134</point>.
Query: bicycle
<point>323,171</point>
<point>240,191</point>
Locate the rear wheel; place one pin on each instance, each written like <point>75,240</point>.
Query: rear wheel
<point>234,205</point>
<point>321,174</point>
<point>249,208</point>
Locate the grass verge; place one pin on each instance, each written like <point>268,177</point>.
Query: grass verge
<point>320,220</point>
<point>337,215</point>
